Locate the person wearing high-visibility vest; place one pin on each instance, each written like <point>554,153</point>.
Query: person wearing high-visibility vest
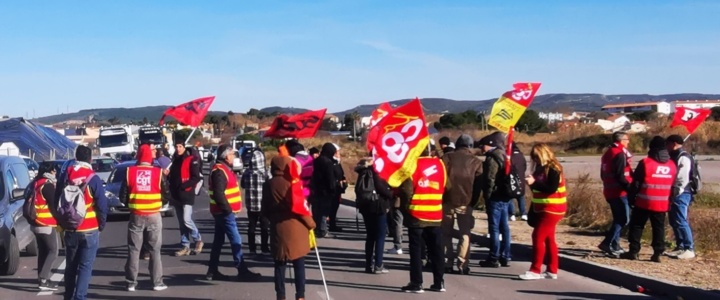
<point>142,191</point>
<point>43,189</point>
<point>225,203</point>
<point>549,203</point>
<point>421,201</point>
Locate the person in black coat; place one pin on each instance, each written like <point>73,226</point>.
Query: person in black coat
<point>517,159</point>
<point>374,217</point>
<point>182,188</point>
<point>341,183</point>
<point>324,187</point>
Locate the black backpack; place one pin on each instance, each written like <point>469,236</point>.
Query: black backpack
<point>695,177</point>
<point>366,197</point>
<point>510,185</point>
<point>28,209</point>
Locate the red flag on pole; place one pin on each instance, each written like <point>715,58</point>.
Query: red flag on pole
<point>509,151</point>
<point>296,197</point>
<point>690,118</point>
<point>190,113</point>
<point>303,125</point>
<point>377,115</point>
<point>402,138</point>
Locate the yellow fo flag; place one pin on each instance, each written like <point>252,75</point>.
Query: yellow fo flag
<point>511,105</point>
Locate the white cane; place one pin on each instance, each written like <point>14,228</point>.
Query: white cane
<point>322,273</point>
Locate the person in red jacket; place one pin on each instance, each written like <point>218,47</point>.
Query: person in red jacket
<point>616,175</point>
<point>649,195</point>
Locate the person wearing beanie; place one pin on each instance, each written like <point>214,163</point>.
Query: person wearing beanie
<point>463,171</point>
<point>251,181</point>
<point>496,200</point>
<point>142,190</point>
<point>314,152</point>
<point>446,146</point>
<point>681,197</point>
<point>649,197</point>
<point>85,240</point>
<point>225,204</point>
<point>324,188</point>
<point>183,178</point>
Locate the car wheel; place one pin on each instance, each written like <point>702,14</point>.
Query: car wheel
<point>169,213</point>
<point>13,258</point>
<point>32,248</point>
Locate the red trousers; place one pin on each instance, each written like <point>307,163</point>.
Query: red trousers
<point>543,237</point>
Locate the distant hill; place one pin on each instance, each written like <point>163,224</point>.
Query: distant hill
<point>547,103</point>
<point>124,115</point>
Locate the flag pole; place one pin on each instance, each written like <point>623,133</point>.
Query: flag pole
<point>687,137</point>
<point>189,136</point>
<point>317,253</point>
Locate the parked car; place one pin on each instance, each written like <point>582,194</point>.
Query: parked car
<point>15,232</point>
<point>237,165</point>
<point>112,192</point>
<point>103,166</point>
<point>32,166</point>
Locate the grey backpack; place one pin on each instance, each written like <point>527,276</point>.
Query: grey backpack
<point>71,206</point>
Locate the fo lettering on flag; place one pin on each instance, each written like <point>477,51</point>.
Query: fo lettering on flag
<point>511,105</point>
<point>189,113</point>
<point>402,138</point>
<point>690,118</point>
<point>304,125</point>
<point>377,115</point>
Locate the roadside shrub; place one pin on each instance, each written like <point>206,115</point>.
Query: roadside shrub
<point>586,206</point>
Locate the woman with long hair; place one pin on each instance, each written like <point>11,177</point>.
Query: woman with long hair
<point>43,190</point>
<point>549,203</point>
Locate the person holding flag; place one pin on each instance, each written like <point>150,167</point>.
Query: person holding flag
<point>284,204</point>
<point>183,177</point>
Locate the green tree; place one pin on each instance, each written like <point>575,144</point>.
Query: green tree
<point>328,125</point>
<point>531,121</point>
<point>231,113</point>
<point>114,121</point>
<point>145,120</point>
<point>253,112</point>
<point>715,113</point>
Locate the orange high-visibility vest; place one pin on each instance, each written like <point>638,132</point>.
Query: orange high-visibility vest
<point>232,191</point>
<point>80,172</point>
<point>44,217</point>
<point>143,184</point>
<point>554,203</point>
<point>654,193</point>
<point>429,185</point>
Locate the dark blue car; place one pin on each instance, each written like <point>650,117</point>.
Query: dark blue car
<point>15,232</point>
<point>112,192</point>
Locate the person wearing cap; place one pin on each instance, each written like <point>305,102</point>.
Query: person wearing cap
<point>463,170</point>
<point>225,203</point>
<point>183,177</point>
<point>681,198</point>
<point>142,190</point>
<point>649,197</point>
<point>496,200</point>
<point>446,146</point>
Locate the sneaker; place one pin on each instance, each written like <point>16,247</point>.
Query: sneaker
<point>131,287</point>
<point>619,251</point>
<point>183,252</point>
<point>198,247</point>
<point>160,287</point>
<point>513,218</point>
<point>686,254</point>
<point>531,276</point>
<point>245,274</point>
<point>369,270</point>
<point>608,251</point>
<point>265,250</point>
<point>210,276</point>
<point>413,288</point>
<point>394,251</point>
<point>146,256</point>
<point>524,218</point>
<point>490,264</point>
<point>381,270</point>
<point>674,253</point>
<point>549,275</point>
<point>47,285</point>
<point>438,287</point>
<point>504,263</point>
<point>656,258</point>
<point>630,256</point>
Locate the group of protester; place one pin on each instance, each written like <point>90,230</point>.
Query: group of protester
<point>448,184</point>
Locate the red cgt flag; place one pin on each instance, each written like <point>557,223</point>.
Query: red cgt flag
<point>377,115</point>
<point>402,138</point>
<point>190,113</point>
<point>303,125</point>
<point>296,197</point>
<point>690,118</point>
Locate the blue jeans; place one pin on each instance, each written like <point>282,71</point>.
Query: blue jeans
<point>679,221</point>
<point>497,212</point>
<point>80,251</point>
<point>226,225</point>
<point>299,269</point>
<point>521,206</point>
<point>621,216</point>
<point>187,225</point>
<point>375,229</point>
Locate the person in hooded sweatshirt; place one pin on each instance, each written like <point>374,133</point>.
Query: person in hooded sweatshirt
<point>342,185</point>
<point>649,195</point>
<point>297,150</point>
<point>323,187</point>
<point>252,181</point>
<point>518,160</point>
<point>374,216</point>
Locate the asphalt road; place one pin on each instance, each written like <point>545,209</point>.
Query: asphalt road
<point>342,259</point>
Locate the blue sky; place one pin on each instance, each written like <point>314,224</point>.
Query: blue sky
<point>59,55</point>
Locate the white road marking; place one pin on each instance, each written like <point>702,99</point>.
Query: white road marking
<point>323,295</point>
<point>56,277</point>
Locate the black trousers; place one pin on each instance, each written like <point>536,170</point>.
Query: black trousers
<point>334,210</point>
<point>47,253</point>
<point>638,219</point>
<point>255,217</point>
<point>432,238</point>
<point>299,268</point>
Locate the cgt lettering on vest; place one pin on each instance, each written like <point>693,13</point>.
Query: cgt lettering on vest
<point>425,182</point>
<point>662,172</point>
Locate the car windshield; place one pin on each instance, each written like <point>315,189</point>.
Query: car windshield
<point>103,165</point>
<point>113,140</point>
<point>117,175</point>
<point>31,164</point>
